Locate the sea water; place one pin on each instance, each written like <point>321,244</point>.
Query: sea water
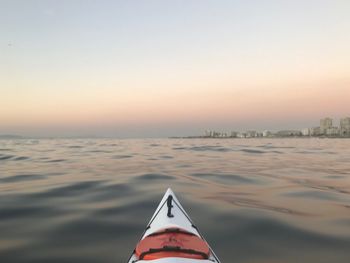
<point>255,200</point>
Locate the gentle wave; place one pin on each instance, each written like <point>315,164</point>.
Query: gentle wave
<point>256,200</point>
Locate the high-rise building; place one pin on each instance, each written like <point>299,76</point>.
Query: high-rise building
<point>325,124</point>
<point>333,131</point>
<point>345,126</point>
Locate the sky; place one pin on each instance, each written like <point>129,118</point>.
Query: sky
<point>147,68</point>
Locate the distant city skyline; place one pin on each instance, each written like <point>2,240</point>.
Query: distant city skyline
<point>326,128</point>
<point>163,68</point>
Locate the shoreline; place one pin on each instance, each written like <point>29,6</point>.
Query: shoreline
<point>274,137</point>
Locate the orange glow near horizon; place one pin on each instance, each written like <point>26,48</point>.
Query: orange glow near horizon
<point>228,103</point>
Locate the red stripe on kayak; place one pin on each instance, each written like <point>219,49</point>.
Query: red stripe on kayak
<point>172,243</point>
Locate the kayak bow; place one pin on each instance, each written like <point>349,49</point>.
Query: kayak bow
<point>172,237</point>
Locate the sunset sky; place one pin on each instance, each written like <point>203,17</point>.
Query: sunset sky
<point>162,68</point>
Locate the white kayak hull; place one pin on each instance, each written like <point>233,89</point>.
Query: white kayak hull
<point>171,215</point>
<point>176,260</point>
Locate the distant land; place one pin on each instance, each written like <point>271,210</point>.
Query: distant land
<point>327,129</point>
<point>14,137</point>
<point>11,136</point>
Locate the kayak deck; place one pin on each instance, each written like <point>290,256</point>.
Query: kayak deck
<point>172,237</point>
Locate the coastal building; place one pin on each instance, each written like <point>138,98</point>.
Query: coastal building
<point>208,133</point>
<point>305,132</point>
<point>234,134</point>
<point>267,133</point>
<point>315,131</point>
<point>326,129</point>
<point>325,124</point>
<point>333,131</point>
<point>242,135</point>
<point>216,134</point>
<point>251,134</point>
<point>288,133</point>
<point>345,126</point>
